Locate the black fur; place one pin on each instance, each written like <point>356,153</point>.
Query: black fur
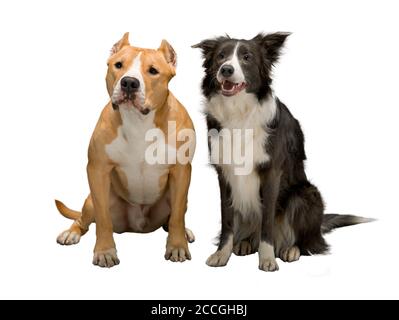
<point>227,210</point>
<point>285,191</point>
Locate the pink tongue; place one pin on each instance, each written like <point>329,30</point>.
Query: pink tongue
<point>227,85</point>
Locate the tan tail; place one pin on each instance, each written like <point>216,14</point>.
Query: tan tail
<point>66,212</point>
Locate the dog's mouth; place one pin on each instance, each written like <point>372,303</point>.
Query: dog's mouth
<point>131,102</point>
<point>230,88</point>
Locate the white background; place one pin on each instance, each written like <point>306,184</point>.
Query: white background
<point>339,77</point>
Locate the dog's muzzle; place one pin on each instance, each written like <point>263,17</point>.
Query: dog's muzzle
<point>129,94</point>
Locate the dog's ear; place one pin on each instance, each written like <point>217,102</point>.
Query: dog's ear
<point>272,43</point>
<point>120,44</point>
<point>169,53</point>
<point>206,46</point>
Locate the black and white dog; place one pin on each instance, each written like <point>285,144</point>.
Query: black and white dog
<point>273,209</point>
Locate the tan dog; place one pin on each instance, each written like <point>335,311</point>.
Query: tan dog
<point>131,188</point>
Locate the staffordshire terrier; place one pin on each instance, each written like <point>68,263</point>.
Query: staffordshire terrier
<point>136,184</point>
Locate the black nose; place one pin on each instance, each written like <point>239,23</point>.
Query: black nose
<point>227,70</point>
<point>129,84</point>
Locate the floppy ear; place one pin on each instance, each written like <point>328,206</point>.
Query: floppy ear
<point>272,43</point>
<point>169,53</point>
<point>120,44</point>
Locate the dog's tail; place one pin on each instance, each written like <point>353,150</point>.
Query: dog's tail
<point>66,212</point>
<point>333,221</point>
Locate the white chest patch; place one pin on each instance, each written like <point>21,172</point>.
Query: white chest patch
<point>243,111</point>
<point>128,149</point>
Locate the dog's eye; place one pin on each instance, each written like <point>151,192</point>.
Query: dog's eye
<point>118,65</point>
<point>221,56</point>
<point>246,57</point>
<point>153,71</point>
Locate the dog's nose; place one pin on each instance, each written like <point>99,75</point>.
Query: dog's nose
<point>227,71</point>
<point>129,84</point>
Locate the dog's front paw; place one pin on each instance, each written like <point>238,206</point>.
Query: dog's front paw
<point>177,251</point>
<point>218,259</point>
<point>106,259</point>
<point>268,264</point>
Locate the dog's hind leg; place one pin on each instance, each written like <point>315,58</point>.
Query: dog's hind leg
<point>300,226</point>
<point>246,234</point>
<point>244,248</point>
<point>284,239</point>
<point>79,226</point>
<point>248,245</point>
<point>190,235</point>
<point>290,254</point>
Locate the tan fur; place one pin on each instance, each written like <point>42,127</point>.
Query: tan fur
<point>108,203</point>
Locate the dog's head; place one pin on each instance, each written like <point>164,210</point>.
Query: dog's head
<point>138,78</point>
<point>233,65</point>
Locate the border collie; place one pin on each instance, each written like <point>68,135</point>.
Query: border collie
<point>273,209</point>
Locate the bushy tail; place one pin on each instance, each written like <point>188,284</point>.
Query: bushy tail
<point>333,221</point>
<point>66,212</point>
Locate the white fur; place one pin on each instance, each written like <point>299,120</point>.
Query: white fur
<point>128,151</point>
<point>267,259</point>
<point>266,251</point>
<point>222,256</point>
<point>243,111</point>
<point>238,75</point>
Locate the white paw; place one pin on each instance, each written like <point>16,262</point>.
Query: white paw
<point>218,259</point>
<point>267,261</point>
<point>106,259</point>
<point>243,248</point>
<point>68,237</point>
<point>268,264</point>
<point>190,235</point>
<point>290,254</point>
